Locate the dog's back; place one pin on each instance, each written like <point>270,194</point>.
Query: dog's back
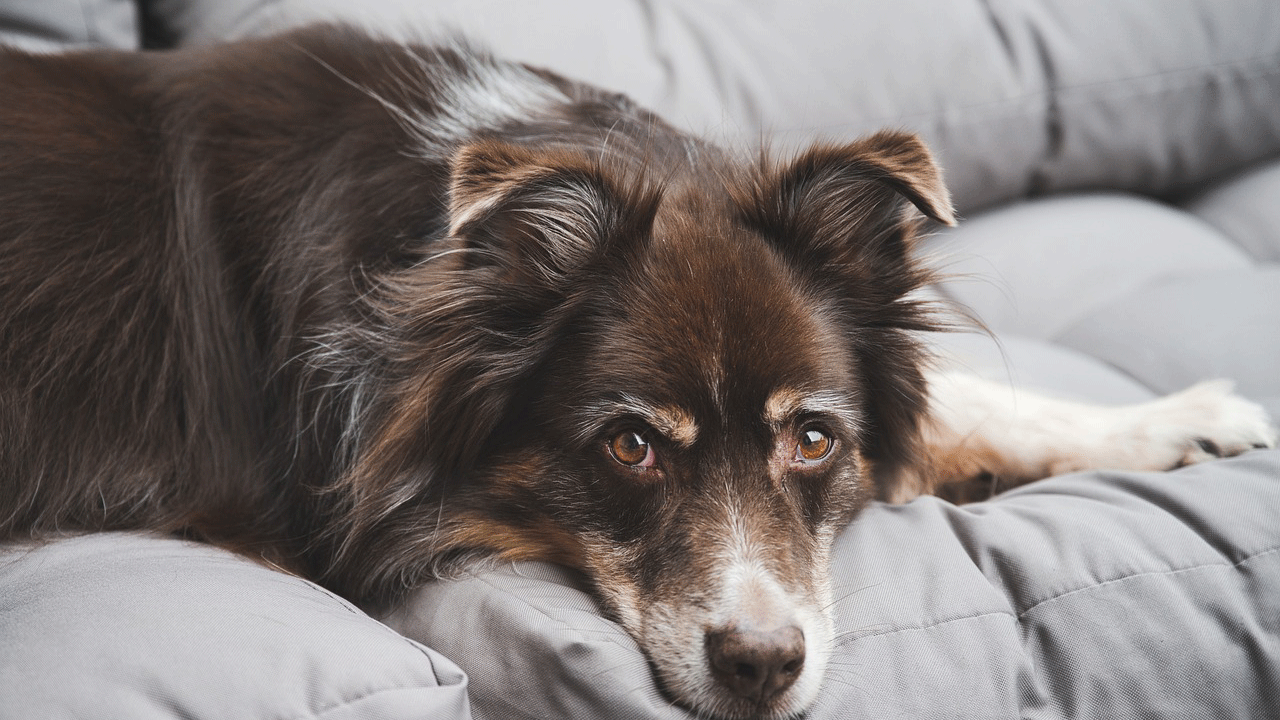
<point>98,299</point>
<point>171,227</point>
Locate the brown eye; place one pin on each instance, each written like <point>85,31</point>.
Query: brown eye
<point>813,445</point>
<point>631,449</point>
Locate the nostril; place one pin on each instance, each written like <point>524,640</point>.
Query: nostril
<point>756,664</point>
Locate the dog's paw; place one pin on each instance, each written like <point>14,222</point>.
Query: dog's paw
<point>1203,422</point>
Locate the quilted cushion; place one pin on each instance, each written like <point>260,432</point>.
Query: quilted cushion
<point>148,628</point>
<point>1161,294</point>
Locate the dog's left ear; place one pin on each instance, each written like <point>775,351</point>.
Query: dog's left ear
<point>844,215</point>
<point>848,206</point>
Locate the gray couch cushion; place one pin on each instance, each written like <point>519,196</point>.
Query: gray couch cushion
<point>1040,267</point>
<point>1020,97</point>
<point>1152,291</point>
<point>1184,329</point>
<point>55,24</point>
<point>1244,208</point>
<point>148,628</point>
<point>1098,595</point>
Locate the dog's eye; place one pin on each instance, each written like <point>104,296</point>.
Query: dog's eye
<point>631,449</point>
<point>813,445</point>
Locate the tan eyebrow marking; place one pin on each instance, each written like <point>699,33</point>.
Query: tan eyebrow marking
<point>788,402</point>
<point>675,423</point>
<point>782,404</point>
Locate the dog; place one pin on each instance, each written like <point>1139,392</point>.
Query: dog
<point>371,311</point>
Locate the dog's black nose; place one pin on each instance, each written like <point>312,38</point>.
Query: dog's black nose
<point>756,664</point>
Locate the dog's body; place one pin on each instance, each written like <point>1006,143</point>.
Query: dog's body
<point>370,310</point>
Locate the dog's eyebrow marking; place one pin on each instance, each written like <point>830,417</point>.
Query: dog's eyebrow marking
<point>676,424</point>
<point>672,421</point>
<point>788,402</point>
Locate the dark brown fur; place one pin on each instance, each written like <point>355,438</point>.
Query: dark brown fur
<point>240,301</point>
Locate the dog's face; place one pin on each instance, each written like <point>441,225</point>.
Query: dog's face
<point>682,390</point>
<point>701,441</point>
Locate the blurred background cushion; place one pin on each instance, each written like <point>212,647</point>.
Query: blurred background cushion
<point>1020,97</point>
<point>47,25</point>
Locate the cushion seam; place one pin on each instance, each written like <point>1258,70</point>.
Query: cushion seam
<point>346,702</point>
<point>920,628</point>
<point>1173,571</point>
<point>1019,616</point>
<point>561,623</point>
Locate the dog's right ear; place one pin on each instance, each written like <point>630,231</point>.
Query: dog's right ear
<point>525,227</point>
<point>535,215</point>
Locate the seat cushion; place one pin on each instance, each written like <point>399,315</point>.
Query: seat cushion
<point>150,628</point>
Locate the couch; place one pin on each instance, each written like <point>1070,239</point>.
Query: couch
<point>1117,167</point>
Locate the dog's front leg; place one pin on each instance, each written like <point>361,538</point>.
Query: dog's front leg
<point>981,437</point>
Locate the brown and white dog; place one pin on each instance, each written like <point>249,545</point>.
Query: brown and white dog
<point>371,310</point>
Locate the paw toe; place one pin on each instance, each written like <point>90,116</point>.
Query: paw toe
<point>1209,447</point>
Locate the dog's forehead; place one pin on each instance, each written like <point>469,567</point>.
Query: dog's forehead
<point>713,316</point>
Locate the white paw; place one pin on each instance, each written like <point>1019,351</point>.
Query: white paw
<point>1203,422</point>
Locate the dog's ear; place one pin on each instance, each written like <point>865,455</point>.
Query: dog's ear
<point>526,227</point>
<point>468,326</point>
<point>848,206</point>
<point>536,216</point>
<point>844,215</point>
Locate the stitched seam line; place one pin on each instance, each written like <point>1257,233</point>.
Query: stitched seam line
<point>344,703</point>
<point>930,626</point>
<point>1175,571</point>
<point>1018,617</point>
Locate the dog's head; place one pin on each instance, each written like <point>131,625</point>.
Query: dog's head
<point>682,388</point>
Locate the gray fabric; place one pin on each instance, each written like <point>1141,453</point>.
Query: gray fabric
<point>147,628</point>
<point>194,22</point>
<point>1214,324</point>
<point>1036,365</point>
<point>1039,267</point>
<point>45,25</point>
<point>1098,595</point>
<point>1152,291</point>
<point>1246,208</point>
<point>1019,97</point>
